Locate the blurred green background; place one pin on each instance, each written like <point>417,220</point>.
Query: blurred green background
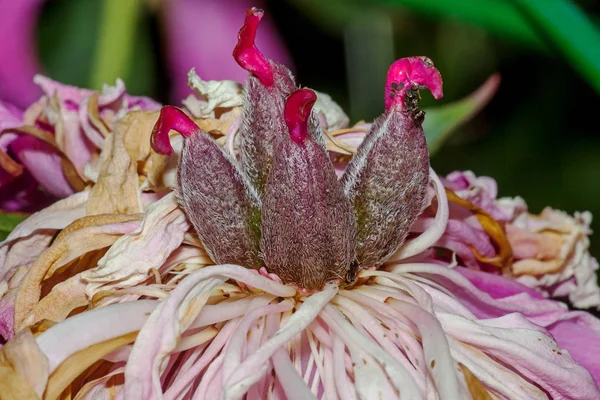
<point>538,137</point>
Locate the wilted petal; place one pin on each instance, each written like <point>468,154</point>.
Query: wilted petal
<point>576,331</point>
<point>483,191</point>
<point>117,189</point>
<point>166,324</point>
<point>56,216</point>
<point>211,96</point>
<point>332,114</point>
<point>64,297</point>
<point>533,354</point>
<point>82,236</point>
<point>131,257</point>
<point>552,253</point>
<point>43,163</point>
<point>81,118</point>
<point>550,250</point>
<point>24,244</point>
<point>24,367</point>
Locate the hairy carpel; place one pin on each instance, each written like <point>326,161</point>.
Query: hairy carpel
<point>217,198</point>
<point>308,228</point>
<point>265,91</point>
<point>387,179</point>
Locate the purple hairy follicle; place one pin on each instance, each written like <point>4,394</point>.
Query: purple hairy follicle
<point>308,228</point>
<point>217,198</point>
<point>265,92</point>
<point>387,179</point>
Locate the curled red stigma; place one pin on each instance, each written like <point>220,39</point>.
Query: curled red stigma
<point>409,74</point>
<point>247,54</point>
<point>297,110</point>
<point>170,118</point>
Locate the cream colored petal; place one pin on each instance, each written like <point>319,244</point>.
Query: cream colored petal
<point>129,260</point>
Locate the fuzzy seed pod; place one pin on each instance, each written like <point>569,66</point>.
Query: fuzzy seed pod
<point>308,224</point>
<point>217,198</point>
<point>387,179</point>
<point>264,95</point>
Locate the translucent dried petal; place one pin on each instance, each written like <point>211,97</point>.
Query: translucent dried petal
<point>24,368</point>
<point>132,256</point>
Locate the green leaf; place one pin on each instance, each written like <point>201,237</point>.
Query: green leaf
<point>8,222</point>
<point>116,41</point>
<point>497,16</point>
<point>567,28</point>
<point>65,35</point>
<point>441,121</point>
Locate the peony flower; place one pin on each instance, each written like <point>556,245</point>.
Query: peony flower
<point>53,142</point>
<point>249,270</point>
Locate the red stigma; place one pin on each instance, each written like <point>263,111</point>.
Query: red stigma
<point>297,110</point>
<point>411,73</point>
<point>170,118</point>
<point>247,54</point>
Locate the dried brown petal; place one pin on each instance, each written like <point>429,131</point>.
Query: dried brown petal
<point>117,190</point>
<point>83,236</point>
<point>69,369</point>
<point>23,368</point>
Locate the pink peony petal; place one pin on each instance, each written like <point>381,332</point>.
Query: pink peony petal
<point>576,331</point>
<point>44,164</point>
<point>193,44</point>
<point>18,54</point>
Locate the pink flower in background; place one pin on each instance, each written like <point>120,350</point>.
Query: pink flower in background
<point>46,148</point>
<point>20,62</point>
<point>199,34</point>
